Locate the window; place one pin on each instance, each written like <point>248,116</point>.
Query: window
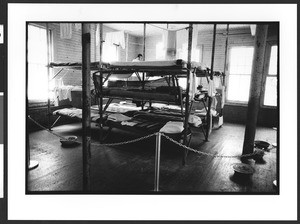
<point>110,52</point>
<point>240,68</point>
<point>160,53</point>
<point>270,98</point>
<point>196,55</point>
<point>37,63</point>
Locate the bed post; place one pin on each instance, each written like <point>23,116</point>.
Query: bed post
<point>187,100</point>
<point>255,87</point>
<point>86,105</point>
<point>48,78</point>
<point>208,116</point>
<point>101,82</point>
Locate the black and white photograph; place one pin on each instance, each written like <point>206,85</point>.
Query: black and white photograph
<point>168,108</point>
<point>152,107</point>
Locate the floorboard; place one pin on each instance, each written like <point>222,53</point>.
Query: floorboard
<point>130,168</point>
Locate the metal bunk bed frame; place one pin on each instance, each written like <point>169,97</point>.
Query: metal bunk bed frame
<point>99,69</point>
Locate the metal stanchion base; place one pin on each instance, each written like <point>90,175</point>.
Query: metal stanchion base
<point>33,164</point>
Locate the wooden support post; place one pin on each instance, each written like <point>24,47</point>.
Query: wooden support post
<point>86,104</point>
<point>48,77</point>
<point>255,87</point>
<point>144,52</point>
<point>226,50</point>
<point>187,96</point>
<point>101,82</point>
<point>213,53</point>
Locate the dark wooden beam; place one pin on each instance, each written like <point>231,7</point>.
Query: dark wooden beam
<point>101,81</point>
<point>187,98</point>
<point>255,87</point>
<point>48,77</point>
<point>86,104</point>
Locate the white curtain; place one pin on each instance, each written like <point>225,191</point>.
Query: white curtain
<point>116,38</point>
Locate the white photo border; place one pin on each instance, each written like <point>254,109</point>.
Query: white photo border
<point>152,207</point>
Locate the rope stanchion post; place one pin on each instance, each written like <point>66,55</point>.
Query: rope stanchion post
<point>157,161</point>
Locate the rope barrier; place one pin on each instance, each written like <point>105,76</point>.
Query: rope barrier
<point>95,144</point>
<point>205,153</point>
<point>146,137</point>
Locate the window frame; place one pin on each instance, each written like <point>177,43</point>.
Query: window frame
<point>50,48</point>
<point>227,66</point>
<point>269,45</point>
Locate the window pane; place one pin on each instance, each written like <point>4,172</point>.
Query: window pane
<point>110,52</point>
<point>238,88</point>
<point>160,54</point>
<point>271,92</point>
<point>37,63</point>
<point>37,82</point>
<point>273,61</point>
<point>240,60</point>
<point>37,37</point>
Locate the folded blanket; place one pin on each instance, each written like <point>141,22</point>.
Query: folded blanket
<point>172,127</point>
<point>129,123</point>
<point>118,117</point>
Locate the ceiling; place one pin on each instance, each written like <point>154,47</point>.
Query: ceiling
<point>137,29</point>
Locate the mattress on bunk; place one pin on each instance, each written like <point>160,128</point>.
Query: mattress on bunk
<point>121,107</point>
<point>139,125</point>
<point>149,64</point>
<point>147,122</point>
<point>141,122</point>
<point>158,63</point>
<point>159,94</point>
<point>78,65</point>
<point>76,113</point>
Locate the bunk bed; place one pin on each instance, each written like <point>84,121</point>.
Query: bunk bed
<point>147,119</point>
<point>170,93</point>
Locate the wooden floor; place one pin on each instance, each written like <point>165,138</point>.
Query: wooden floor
<point>130,168</point>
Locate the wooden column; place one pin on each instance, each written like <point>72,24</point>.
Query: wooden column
<point>86,104</point>
<point>101,81</point>
<point>187,97</point>
<point>226,49</point>
<point>48,77</point>
<point>255,87</point>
